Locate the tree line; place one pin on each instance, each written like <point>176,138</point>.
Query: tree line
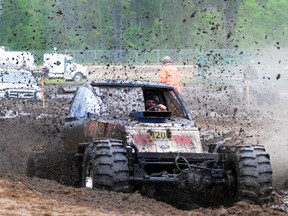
<point>143,24</point>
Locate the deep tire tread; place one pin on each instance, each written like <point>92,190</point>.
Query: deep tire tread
<point>255,173</point>
<point>112,171</point>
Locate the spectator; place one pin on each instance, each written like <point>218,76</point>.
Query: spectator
<point>251,82</point>
<point>250,72</point>
<point>24,64</point>
<point>169,74</point>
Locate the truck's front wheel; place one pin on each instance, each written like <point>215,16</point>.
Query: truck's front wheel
<point>78,77</point>
<point>249,175</point>
<point>105,166</point>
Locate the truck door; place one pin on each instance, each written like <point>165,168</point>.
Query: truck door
<point>84,103</point>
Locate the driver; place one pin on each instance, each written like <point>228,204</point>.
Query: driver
<point>152,104</point>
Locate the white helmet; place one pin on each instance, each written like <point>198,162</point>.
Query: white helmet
<point>252,62</point>
<point>166,59</point>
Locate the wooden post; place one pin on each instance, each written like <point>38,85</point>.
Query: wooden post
<point>43,90</point>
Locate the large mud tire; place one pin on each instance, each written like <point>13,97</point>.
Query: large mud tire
<point>105,166</point>
<point>249,175</point>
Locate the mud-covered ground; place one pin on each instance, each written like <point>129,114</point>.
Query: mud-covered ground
<point>28,127</point>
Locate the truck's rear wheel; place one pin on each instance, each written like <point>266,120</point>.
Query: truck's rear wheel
<point>105,166</point>
<point>249,175</point>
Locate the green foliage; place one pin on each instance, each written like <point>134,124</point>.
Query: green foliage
<point>142,24</point>
<point>264,25</point>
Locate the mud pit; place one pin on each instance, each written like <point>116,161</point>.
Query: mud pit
<point>26,127</point>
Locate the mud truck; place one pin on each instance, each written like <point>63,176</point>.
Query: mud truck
<point>121,147</point>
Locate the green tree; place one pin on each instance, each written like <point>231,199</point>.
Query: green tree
<point>142,24</point>
<point>14,24</point>
<point>262,24</point>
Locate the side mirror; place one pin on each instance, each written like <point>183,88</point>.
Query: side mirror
<point>69,118</point>
<point>91,115</point>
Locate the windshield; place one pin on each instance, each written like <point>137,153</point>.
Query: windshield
<point>120,101</point>
<point>17,78</point>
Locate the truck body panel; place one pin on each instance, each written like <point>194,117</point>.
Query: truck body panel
<point>63,66</point>
<point>164,138</point>
<point>125,146</point>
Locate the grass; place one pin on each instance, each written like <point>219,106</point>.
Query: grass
<point>61,81</point>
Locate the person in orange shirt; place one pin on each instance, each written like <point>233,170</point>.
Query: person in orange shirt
<point>169,74</point>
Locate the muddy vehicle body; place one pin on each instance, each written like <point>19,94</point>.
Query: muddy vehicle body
<point>19,83</point>
<point>122,147</point>
<point>63,66</point>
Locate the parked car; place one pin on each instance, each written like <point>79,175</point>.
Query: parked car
<point>18,84</point>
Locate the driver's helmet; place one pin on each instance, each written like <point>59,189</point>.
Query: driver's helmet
<point>151,100</point>
<point>166,59</point>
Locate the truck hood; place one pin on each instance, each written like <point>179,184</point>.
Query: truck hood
<point>175,135</point>
<point>18,90</point>
<point>164,137</point>
<point>18,86</point>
